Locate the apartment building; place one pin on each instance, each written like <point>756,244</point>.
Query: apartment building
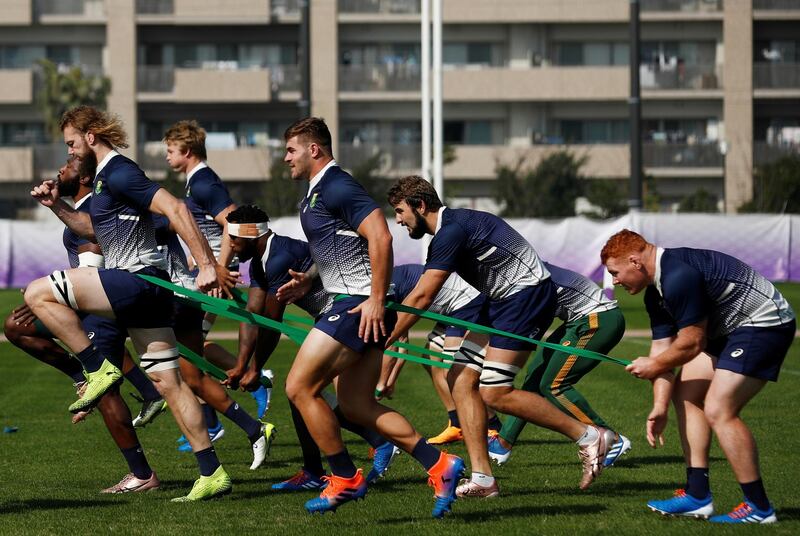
<point>522,78</point>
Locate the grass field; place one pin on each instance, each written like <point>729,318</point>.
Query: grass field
<point>51,471</point>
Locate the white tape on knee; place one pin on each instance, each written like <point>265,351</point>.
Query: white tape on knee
<point>158,361</point>
<point>470,355</point>
<point>436,337</point>
<point>496,374</point>
<point>62,289</point>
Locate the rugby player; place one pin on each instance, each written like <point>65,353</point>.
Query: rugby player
<point>492,257</point>
<point>352,248</point>
<point>702,300</point>
<point>120,220</point>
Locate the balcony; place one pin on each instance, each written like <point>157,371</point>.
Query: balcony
<point>530,11</point>
<point>776,79</point>
<point>536,83</point>
<point>377,11</point>
<point>237,164</point>
<point>16,164</point>
<point>684,159</point>
<point>203,11</point>
<point>776,10</point>
<point>70,11</point>
<point>379,81</point>
<point>681,78</point>
<point>218,82</point>
<point>17,86</point>
<point>656,10</point>
<point>767,153</point>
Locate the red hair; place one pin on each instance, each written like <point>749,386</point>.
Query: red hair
<point>622,243</point>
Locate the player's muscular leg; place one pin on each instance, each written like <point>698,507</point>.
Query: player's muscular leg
<point>204,387</point>
<point>529,406</point>
<point>464,383</point>
<point>117,417</point>
<point>218,355</point>
<point>53,301</point>
<point>320,359</point>
<point>44,349</point>
<point>728,394</point>
<point>690,391</point>
<point>179,397</point>
<point>356,399</point>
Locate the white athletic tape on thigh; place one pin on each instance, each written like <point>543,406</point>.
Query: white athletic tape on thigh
<point>161,360</point>
<point>62,289</point>
<point>496,374</point>
<point>469,355</point>
<point>436,336</point>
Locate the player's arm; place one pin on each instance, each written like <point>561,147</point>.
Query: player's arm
<point>298,286</point>
<point>225,251</point>
<point>690,341</point>
<point>662,393</point>
<point>211,274</point>
<point>79,222</point>
<point>381,258</point>
<point>428,286</point>
<point>90,254</point>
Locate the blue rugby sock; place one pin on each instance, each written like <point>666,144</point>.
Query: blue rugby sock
<point>426,454</point>
<point>137,462</point>
<point>244,421</point>
<point>207,461</point>
<point>453,416</point>
<point>494,424</point>
<point>697,482</point>
<point>342,465</point>
<point>756,494</point>
<point>142,383</point>
<point>91,358</point>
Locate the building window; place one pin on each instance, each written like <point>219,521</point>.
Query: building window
<point>591,53</point>
<point>593,131</point>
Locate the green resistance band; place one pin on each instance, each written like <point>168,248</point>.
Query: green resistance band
<point>210,368</point>
<point>226,308</point>
<point>571,350</point>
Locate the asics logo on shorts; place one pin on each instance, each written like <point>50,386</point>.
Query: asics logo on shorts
<point>90,335</point>
<point>333,318</point>
<point>737,352</point>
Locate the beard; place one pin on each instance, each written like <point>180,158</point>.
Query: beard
<point>87,165</point>
<point>420,227</point>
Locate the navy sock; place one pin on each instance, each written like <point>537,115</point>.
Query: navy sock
<point>207,461</point>
<point>697,482</point>
<point>756,494</point>
<point>244,421</point>
<point>374,439</point>
<point>494,424</point>
<point>210,415</point>
<point>142,383</point>
<point>342,465</point>
<point>453,416</point>
<point>426,454</point>
<point>311,455</point>
<point>90,358</point>
<point>137,462</point>
<point>77,375</point>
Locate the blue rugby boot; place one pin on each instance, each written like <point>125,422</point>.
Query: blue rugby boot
<point>381,462</point>
<point>747,512</point>
<point>301,481</point>
<point>443,477</point>
<point>339,490</point>
<point>683,504</point>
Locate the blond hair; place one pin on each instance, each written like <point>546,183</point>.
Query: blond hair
<point>189,135</point>
<point>105,126</point>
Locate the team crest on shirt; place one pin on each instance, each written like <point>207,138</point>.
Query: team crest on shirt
<point>313,200</point>
<point>98,187</point>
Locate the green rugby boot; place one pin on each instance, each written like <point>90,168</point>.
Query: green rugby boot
<point>97,383</point>
<point>209,487</point>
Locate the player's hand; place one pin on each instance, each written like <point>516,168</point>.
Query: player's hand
<point>372,310</point>
<point>656,423</point>
<point>226,280</point>
<point>22,315</point>
<point>251,380</point>
<point>234,377</point>
<point>46,193</point>
<point>645,368</point>
<point>295,288</point>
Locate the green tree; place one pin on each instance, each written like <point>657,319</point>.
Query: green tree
<point>173,183</point>
<point>700,201</point>
<point>651,201</point>
<point>368,174</point>
<point>776,187</point>
<point>547,191</point>
<point>608,196</point>
<point>281,195</point>
<point>62,90</point>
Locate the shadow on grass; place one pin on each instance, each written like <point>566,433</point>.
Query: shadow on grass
<point>33,505</point>
<point>654,459</point>
<point>784,514</point>
<point>494,513</point>
<point>598,488</point>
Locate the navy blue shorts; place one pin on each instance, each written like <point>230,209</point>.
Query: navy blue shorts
<point>187,318</point>
<point>105,334</point>
<point>343,326</point>
<point>529,313</point>
<point>471,312</point>
<point>754,352</point>
<point>137,303</point>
